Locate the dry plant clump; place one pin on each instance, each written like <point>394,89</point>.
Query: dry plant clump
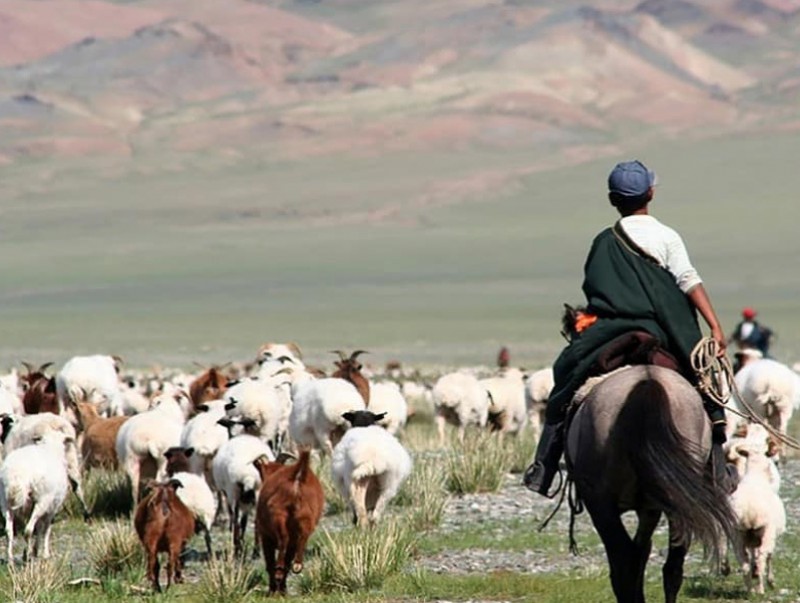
<point>40,580</point>
<point>479,463</point>
<point>227,578</point>
<point>425,494</point>
<point>114,549</point>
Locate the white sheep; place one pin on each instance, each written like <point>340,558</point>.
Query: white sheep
<point>131,401</point>
<point>89,379</point>
<point>507,410</point>
<point>387,398</point>
<point>317,408</point>
<point>143,439</point>
<point>760,516</point>
<point>459,399</point>
<point>770,389</point>
<point>369,466</point>
<point>11,394</point>
<point>538,386</point>
<point>272,357</point>
<point>34,481</point>
<point>236,475</point>
<point>206,436</point>
<point>28,429</point>
<point>267,401</point>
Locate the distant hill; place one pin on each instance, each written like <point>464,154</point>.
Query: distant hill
<point>295,78</point>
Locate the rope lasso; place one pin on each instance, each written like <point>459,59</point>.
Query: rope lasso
<point>715,381</point>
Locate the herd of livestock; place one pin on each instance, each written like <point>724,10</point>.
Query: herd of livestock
<point>235,441</point>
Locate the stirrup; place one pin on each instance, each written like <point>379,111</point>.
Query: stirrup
<point>549,493</point>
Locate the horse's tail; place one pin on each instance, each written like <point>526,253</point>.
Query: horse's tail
<point>670,471</point>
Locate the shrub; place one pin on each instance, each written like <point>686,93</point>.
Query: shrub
<point>522,449</point>
<point>107,494</point>
<point>478,464</point>
<point>334,502</point>
<point>39,580</point>
<point>115,549</point>
<point>358,558</point>
<point>425,493</point>
<point>227,578</point>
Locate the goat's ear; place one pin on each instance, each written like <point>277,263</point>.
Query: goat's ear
<point>174,484</point>
<point>51,386</point>
<point>380,417</point>
<point>245,422</point>
<point>188,451</point>
<point>349,416</point>
<point>202,408</point>
<point>225,422</point>
<point>169,453</point>
<point>283,457</point>
<point>231,405</point>
<point>232,382</point>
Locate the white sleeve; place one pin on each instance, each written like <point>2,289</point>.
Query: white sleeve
<point>679,265</point>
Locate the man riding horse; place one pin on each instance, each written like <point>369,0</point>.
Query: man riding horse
<point>643,295</point>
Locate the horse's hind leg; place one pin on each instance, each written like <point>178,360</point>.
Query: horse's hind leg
<point>672,571</point>
<point>648,522</point>
<point>622,553</point>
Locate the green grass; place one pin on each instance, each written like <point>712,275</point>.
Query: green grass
<point>179,265</point>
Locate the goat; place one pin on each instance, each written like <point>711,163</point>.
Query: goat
<point>164,524</point>
<point>210,385</point>
<point>195,492</point>
<point>289,507</point>
<point>349,369</point>
<point>98,447</point>
<point>40,391</point>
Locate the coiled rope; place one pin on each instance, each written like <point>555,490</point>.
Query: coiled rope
<point>715,380</point>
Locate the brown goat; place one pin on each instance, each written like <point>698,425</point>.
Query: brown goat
<point>289,507</point>
<point>99,445</point>
<point>40,391</point>
<point>349,369</point>
<point>164,525</point>
<point>210,385</point>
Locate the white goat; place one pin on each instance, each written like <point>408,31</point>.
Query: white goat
<point>459,399</point>
<point>236,475</point>
<point>89,379</point>
<point>760,515</point>
<point>317,408</point>
<point>387,398</point>
<point>33,479</point>
<point>144,438</point>
<point>770,389</point>
<point>507,410</point>
<point>369,466</point>
<point>265,400</point>
<point>538,386</point>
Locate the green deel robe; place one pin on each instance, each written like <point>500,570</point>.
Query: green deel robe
<point>628,292</point>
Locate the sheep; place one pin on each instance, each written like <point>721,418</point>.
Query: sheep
<point>164,524</point>
<point>33,479</point>
<point>267,401</point>
<point>538,386</point>
<point>143,439</point>
<point>210,385</point>
<point>387,399</point>
<point>10,398</point>
<point>194,493</point>
<point>31,428</point>
<point>507,410</point>
<point>99,442</point>
<point>317,408</point>
<point>131,400</point>
<point>369,466</point>
<point>460,400</point>
<point>90,379</point>
<point>290,504</point>
<point>235,474</point>
<point>760,515</point>
<point>770,389</point>
<point>205,436</point>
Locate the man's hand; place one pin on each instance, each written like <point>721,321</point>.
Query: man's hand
<point>722,343</point>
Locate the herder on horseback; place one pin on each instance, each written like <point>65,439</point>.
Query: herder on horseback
<point>643,295</point>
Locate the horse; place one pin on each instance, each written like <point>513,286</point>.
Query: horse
<point>640,441</point>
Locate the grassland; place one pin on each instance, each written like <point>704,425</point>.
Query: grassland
<point>428,258</point>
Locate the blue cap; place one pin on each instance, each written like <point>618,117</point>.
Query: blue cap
<point>631,179</point>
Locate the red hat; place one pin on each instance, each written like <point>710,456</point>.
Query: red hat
<point>748,313</point>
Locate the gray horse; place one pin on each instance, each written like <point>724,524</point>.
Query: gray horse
<point>640,442</point>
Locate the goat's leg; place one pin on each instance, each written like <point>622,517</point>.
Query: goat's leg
<point>77,489</point>
<point>758,568</point>
<point>440,421</point>
<point>237,535</point>
<point>207,535</point>
<point>300,550</point>
<point>358,498</point>
<point>242,531</point>
<point>134,470</point>
<point>153,569</point>
<point>282,541</point>
<point>30,529</point>
<point>9,517</point>
<point>770,577</point>
<point>269,547</point>
<point>46,526</point>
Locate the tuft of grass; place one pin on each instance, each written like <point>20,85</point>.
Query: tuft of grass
<point>421,436</point>
<point>227,578</point>
<point>41,580</point>
<point>357,559</point>
<point>425,493</point>
<point>334,502</point>
<point>107,494</point>
<point>522,447</point>
<point>478,464</point>
<point>115,550</point>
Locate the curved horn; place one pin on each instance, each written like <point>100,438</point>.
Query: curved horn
<point>200,366</point>
<point>341,354</point>
<point>28,366</point>
<point>43,368</point>
<point>357,353</point>
<point>118,359</point>
<point>295,349</point>
<point>285,359</point>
